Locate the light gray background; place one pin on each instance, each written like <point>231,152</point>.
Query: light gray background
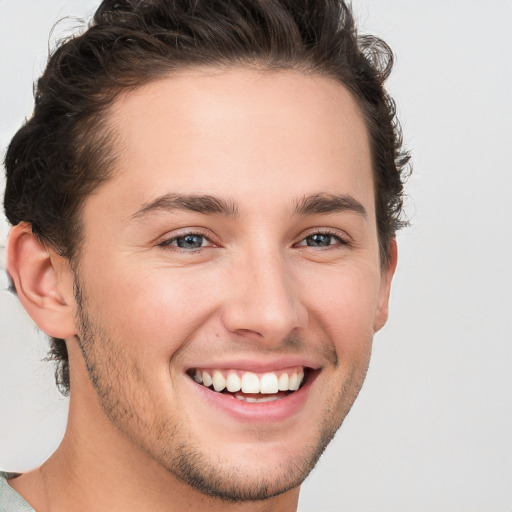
<point>432,429</point>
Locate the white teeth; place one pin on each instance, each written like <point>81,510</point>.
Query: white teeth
<point>300,378</point>
<point>284,382</point>
<point>269,384</point>
<point>250,383</point>
<point>207,379</point>
<point>219,382</point>
<point>233,383</point>
<point>294,382</point>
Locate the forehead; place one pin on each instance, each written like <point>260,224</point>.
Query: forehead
<point>257,133</point>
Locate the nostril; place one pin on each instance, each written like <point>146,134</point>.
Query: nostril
<point>266,310</point>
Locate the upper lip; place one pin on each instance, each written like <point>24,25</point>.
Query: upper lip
<point>252,364</point>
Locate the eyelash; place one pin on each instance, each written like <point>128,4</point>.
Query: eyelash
<point>342,241</point>
<point>168,242</point>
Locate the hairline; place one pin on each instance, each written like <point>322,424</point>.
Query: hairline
<point>107,133</point>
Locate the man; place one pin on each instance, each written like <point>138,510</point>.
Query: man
<point>204,206</point>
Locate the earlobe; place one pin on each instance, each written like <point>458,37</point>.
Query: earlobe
<point>43,284</point>
<point>385,286</point>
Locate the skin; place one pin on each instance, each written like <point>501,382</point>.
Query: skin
<point>254,291</point>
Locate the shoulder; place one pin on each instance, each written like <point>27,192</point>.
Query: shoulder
<point>10,500</point>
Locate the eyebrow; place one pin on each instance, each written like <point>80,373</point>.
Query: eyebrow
<point>208,205</point>
<point>329,203</point>
<point>202,203</point>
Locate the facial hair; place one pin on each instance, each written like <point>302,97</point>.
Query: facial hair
<point>166,439</point>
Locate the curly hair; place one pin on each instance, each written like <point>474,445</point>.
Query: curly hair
<point>64,151</point>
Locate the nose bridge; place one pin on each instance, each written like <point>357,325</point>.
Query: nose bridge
<point>265,301</point>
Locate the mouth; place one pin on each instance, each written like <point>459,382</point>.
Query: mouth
<point>252,387</point>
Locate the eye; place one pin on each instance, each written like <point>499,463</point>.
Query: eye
<point>188,241</point>
<point>322,240</point>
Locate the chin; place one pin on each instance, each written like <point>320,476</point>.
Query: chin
<point>237,483</point>
<point>245,471</point>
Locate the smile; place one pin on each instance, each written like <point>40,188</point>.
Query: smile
<point>249,386</point>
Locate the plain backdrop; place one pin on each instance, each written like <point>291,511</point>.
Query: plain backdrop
<point>432,428</point>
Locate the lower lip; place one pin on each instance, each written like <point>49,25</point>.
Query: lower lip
<point>275,411</point>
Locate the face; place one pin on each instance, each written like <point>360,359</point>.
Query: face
<point>230,280</point>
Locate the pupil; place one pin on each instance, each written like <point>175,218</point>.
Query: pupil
<point>190,241</point>
<point>319,240</point>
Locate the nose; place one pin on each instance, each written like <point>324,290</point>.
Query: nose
<point>263,301</point>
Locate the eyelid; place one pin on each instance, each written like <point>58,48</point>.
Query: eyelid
<point>344,239</point>
<point>166,240</point>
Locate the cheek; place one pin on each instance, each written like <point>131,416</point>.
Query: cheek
<point>157,308</point>
<point>344,302</point>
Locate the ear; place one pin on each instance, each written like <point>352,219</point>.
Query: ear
<point>385,286</point>
<point>43,281</point>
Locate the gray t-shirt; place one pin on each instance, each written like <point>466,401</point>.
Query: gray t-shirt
<point>10,500</point>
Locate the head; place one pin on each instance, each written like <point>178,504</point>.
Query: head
<point>152,89</point>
